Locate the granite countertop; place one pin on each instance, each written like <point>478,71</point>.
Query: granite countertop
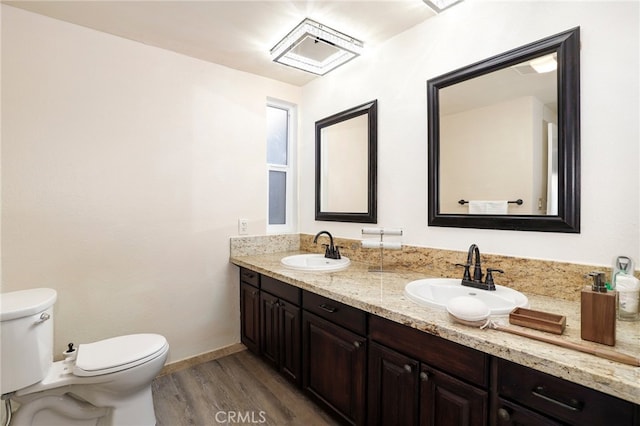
<point>382,294</point>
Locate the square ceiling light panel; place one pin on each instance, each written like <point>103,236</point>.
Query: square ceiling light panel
<point>439,5</point>
<point>316,48</point>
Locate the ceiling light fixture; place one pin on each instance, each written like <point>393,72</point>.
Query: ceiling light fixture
<point>439,5</point>
<point>315,48</point>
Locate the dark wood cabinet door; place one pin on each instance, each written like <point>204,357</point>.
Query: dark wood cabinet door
<point>445,401</point>
<point>269,333</point>
<point>334,362</point>
<point>250,317</point>
<point>290,341</point>
<point>393,388</point>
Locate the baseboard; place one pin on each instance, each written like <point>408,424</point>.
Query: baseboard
<point>199,359</point>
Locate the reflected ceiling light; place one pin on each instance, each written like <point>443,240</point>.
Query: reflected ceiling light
<point>315,48</point>
<point>439,5</point>
<point>546,63</point>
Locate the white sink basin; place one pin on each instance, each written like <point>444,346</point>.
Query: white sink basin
<point>436,293</point>
<point>314,262</point>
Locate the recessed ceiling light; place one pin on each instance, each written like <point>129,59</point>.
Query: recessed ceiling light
<point>439,5</point>
<point>315,48</point>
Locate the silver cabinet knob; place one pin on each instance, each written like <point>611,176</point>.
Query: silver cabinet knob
<point>424,377</point>
<point>407,368</point>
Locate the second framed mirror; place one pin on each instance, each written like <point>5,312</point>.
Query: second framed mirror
<point>504,140</point>
<point>346,165</point>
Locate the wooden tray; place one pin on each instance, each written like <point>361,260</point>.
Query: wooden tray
<point>538,320</point>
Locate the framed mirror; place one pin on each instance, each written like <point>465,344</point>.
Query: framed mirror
<point>346,165</point>
<point>504,140</point>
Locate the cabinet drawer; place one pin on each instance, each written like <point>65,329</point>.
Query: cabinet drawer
<point>460,361</point>
<point>336,312</point>
<point>282,290</point>
<point>510,414</point>
<point>559,398</point>
<point>250,277</point>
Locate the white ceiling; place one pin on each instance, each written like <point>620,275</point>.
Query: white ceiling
<point>237,34</point>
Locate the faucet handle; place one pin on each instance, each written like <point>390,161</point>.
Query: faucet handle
<point>466,266</point>
<point>489,280</point>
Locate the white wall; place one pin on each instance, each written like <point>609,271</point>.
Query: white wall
<point>124,171</point>
<point>396,73</point>
<point>126,167</point>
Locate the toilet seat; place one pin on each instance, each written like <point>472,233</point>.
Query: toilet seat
<point>117,354</point>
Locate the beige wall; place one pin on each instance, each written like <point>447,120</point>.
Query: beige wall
<point>124,171</point>
<point>488,155</point>
<point>345,148</point>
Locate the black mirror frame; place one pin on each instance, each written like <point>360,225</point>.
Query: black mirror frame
<point>567,46</point>
<point>370,216</point>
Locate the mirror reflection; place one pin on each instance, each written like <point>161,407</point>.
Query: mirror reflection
<point>504,140</point>
<point>346,165</point>
<point>505,123</point>
<point>344,181</point>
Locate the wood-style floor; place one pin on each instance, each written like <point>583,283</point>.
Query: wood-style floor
<point>239,389</point>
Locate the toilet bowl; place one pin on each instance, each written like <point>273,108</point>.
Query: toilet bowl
<point>102,383</point>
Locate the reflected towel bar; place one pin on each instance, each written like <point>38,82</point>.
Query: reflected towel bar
<point>518,202</point>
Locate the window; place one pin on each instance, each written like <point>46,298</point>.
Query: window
<point>280,150</point>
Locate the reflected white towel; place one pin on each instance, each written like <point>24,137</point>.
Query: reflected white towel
<point>488,207</point>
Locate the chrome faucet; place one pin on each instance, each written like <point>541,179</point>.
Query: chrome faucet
<point>476,281</point>
<point>331,251</point>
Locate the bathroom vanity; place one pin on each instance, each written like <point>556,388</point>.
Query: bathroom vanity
<point>354,343</point>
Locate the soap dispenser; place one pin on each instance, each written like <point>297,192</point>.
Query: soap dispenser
<point>598,312</point>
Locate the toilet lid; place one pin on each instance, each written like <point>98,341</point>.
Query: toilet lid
<point>24,303</point>
<point>118,353</point>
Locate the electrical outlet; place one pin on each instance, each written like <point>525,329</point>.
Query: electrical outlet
<point>243,226</point>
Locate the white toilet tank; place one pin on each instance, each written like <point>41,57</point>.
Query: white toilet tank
<point>26,334</point>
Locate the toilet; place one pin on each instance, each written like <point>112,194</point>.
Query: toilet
<point>105,383</point>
